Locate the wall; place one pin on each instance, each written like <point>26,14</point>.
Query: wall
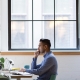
<point>4,25</point>
<point>69,67</point>
<point>0,25</point>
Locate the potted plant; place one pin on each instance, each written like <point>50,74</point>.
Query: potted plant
<point>2,60</point>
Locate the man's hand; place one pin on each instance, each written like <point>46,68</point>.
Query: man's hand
<point>22,70</point>
<point>36,54</point>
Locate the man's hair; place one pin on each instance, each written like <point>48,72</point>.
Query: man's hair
<point>46,42</point>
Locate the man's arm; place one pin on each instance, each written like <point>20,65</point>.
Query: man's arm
<point>48,63</point>
<point>33,64</point>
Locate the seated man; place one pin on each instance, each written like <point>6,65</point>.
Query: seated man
<point>48,65</point>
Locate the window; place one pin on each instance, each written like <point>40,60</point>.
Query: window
<point>31,20</point>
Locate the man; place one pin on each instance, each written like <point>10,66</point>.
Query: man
<point>48,65</point>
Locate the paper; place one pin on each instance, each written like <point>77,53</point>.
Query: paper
<point>19,73</point>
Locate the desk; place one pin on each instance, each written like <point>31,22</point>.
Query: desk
<point>18,77</point>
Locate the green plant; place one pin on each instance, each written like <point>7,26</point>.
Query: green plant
<point>2,60</point>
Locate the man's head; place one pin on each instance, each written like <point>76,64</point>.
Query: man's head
<point>44,45</point>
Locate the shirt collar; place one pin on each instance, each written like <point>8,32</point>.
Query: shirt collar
<point>47,54</point>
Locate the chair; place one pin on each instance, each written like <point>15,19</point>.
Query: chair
<point>53,77</point>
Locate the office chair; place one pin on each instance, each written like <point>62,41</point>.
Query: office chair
<point>53,77</point>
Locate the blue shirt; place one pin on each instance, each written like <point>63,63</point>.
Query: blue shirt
<point>46,68</point>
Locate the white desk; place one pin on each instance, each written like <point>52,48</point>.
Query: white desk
<point>18,77</point>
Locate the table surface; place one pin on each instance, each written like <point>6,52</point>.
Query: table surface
<point>18,76</point>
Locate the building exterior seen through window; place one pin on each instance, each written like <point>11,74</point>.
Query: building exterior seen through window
<point>35,19</point>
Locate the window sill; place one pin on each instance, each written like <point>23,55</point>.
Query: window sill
<point>61,52</point>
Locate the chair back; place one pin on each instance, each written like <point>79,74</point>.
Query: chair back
<point>53,77</point>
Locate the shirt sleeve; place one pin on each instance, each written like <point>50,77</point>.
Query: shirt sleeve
<point>33,64</point>
<point>48,63</point>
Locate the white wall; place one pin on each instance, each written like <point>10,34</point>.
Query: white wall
<point>0,25</point>
<point>69,67</point>
<point>4,25</point>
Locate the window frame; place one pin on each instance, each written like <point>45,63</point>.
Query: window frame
<point>9,27</point>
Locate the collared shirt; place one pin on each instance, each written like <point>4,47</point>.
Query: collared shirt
<point>46,68</point>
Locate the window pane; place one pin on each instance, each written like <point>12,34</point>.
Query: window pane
<point>18,17</point>
<point>43,29</point>
<point>65,8</point>
<point>18,6</point>
<point>21,35</point>
<point>21,9</point>
<point>48,6</point>
<point>37,10</point>
<point>41,8</point>
<point>37,32</point>
<point>65,34</point>
<point>48,17</point>
<point>49,31</point>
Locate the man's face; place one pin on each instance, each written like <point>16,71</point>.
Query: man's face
<point>41,47</point>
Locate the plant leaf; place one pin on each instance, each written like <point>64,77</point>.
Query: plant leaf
<point>2,60</point>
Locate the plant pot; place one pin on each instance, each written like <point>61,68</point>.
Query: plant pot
<point>0,68</point>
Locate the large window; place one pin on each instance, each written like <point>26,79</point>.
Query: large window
<point>30,20</point>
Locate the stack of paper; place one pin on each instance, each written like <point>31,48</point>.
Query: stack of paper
<point>19,73</point>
